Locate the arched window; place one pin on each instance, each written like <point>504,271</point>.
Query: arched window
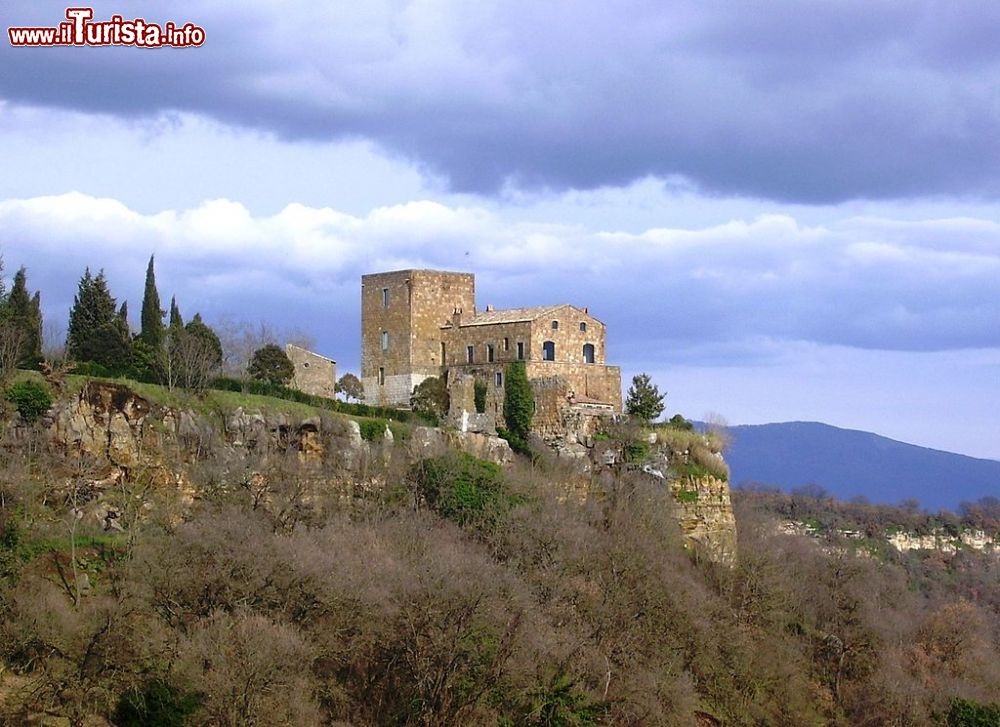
<point>549,351</point>
<point>588,353</point>
<point>555,325</point>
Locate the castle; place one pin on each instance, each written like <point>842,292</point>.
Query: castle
<point>421,323</point>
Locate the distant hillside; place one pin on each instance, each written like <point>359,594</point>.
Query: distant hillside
<point>848,463</point>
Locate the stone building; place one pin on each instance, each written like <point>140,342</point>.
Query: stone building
<point>421,323</point>
<point>314,374</point>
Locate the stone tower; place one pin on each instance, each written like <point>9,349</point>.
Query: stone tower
<point>402,343</point>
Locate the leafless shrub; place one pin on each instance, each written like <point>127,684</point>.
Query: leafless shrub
<point>12,340</point>
<point>250,669</point>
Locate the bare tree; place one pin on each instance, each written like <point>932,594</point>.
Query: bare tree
<point>239,340</point>
<point>12,339</point>
<point>189,361</point>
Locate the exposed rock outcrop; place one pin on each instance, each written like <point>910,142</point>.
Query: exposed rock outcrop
<point>104,421</point>
<point>705,513</point>
<point>111,423</point>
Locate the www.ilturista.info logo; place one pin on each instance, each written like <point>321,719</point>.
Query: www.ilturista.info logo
<point>82,30</point>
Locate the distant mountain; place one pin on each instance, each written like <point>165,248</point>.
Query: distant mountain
<point>847,463</point>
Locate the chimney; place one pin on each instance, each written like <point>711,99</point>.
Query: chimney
<point>456,317</point>
<point>489,308</point>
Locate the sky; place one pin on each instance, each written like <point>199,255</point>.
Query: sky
<point>781,212</point>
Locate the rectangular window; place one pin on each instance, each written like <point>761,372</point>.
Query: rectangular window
<point>489,352</point>
<point>506,344</point>
<point>499,379</point>
<point>583,327</point>
<point>470,354</point>
<point>381,376</point>
<point>385,340</point>
<point>520,350</point>
<point>385,297</point>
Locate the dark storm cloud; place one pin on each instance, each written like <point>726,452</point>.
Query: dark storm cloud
<point>810,102</point>
<point>725,295</point>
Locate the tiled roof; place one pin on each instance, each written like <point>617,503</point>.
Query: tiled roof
<point>511,315</point>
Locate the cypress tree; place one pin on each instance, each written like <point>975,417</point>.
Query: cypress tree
<point>36,325</point>
<point>152,315</point>
<point>176,322</point>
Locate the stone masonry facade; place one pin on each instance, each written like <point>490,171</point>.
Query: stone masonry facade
<point>314,374</point>
<point>421,323</point>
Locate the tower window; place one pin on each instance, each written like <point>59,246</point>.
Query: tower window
<point>385,297</point>
<point>381,376</point>
<point>583,327</point>
<point>520,350</point>
<point>549,351</point>
<point>555,325</point>
<point>506,344</point>
<point>385,340</point>
<point>588,353</point>
<point>470,354</point>
<point>499,379</point>
<point>489,352</point>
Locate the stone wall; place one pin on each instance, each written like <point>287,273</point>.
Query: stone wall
<point>436,296</point>
<point>568,338</point>
<point>504,338</point>
<point>314,374</point>
<point>409,307</point>
<point>591,381</point>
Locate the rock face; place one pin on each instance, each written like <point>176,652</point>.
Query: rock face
<point>105,421</point>
<point>108,422</point>
<point>705,513</point>
<point>429,442</point>
<point>944,542</point>
<point>702,503</point>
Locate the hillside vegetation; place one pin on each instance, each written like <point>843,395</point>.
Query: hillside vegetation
<point>451,592</point>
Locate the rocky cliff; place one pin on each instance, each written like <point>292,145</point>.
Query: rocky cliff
<point>127,437</point>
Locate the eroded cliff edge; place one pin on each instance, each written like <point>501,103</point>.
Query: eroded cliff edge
<point>106,433</point>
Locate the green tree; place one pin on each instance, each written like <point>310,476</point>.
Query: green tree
<point>644,400</point>
<point>518,406</point>
<point>350,386</point>
<point>22,311</point>
<point>176,322</point>
<point>479,395</point>
<point>151,330</point>
<point>271,364</point>
<point>200,330</point>
<point>96,330</point>
<point>430,396</point>
<point>30,398</point>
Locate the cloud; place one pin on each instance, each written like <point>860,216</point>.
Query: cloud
<point>710,294</point>
<point>816,103</point>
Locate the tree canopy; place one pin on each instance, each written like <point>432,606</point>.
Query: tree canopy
<point>271,364</point>
<point>644,400</point>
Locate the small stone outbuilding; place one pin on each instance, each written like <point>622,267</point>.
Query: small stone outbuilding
<point>314,374</point>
